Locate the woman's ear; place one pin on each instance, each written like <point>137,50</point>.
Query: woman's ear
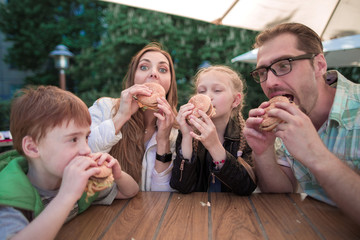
<point>30,147</point>
<point>237,100</point>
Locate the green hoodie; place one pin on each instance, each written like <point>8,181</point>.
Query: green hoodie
<point>17,191</point>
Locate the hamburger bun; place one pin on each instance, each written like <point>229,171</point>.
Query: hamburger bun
<point>202,102</point>
<point>150,102</point>
<point>269,123</point>
<point>100,181</point>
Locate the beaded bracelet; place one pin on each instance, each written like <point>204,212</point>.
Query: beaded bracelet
<point>219,164</point>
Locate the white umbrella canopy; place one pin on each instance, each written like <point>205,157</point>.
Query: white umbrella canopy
<point>329,18</point>
<point>340,52</point>
<point>343,52</point>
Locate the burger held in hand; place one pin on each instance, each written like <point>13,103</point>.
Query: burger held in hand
<point>100,181</point>
<point>202,102</point>
<point>270,123</point>
<point>150,102</point>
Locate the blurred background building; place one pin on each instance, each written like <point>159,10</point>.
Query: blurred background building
<point>10,78</point>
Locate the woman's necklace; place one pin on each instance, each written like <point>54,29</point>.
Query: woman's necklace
<point>146,130</point>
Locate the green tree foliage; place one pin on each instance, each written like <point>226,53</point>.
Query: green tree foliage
<point>101,69</point>
<point>104,36</point>
<point>35,27</point>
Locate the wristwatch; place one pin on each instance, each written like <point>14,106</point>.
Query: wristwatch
<point>164,158</point>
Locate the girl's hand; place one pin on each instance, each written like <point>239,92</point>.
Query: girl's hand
<point>184,112</point>
<point>207,130</point>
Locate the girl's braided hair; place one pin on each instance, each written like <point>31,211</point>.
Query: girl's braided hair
<point>238,86</point>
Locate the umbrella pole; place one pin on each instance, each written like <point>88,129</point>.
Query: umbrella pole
<point>328,22</point>
<point>219,20</point>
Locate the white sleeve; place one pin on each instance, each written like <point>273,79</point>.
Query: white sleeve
<point>161,181</point>
<point>102,136</point>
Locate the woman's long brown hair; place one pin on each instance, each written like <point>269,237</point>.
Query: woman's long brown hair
<point>130,149</point>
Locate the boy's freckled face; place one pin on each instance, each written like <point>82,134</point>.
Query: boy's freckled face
<point>60,146</point>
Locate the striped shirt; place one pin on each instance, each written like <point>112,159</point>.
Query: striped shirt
<point>340,134</point>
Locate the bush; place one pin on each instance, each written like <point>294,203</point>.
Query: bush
<point>5,115</point>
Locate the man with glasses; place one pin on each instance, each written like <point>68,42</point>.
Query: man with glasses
<point>320,135</point>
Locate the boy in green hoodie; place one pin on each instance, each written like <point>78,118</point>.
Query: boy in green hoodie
<point>43,181</point>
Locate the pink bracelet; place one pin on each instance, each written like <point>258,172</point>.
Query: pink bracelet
<point>222,161</point>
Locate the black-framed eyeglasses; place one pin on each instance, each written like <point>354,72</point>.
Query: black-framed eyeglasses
<point>279,68</point>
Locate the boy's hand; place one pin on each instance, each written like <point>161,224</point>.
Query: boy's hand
<point>76,175</point>
<point>109,161</point>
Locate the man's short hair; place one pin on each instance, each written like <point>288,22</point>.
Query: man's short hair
<point>307,39</point>
<point>35,111</point>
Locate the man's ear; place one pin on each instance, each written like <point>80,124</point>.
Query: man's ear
<point>320,64</point>
<point>237,100</point>
<point>30,147</point>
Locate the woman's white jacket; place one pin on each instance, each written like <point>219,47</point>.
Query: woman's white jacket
<point>103,137</point>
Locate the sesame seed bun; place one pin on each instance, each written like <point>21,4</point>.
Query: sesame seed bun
<point>150,102</point>
<point>100,181</point>
<point>202,102</point>
<point>270,123</point>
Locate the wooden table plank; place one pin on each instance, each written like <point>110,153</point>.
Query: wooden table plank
<point>185,217</point>
<point>229,211</point>
<point>331,222</point>
<point>91,223</point>
<point>140,218</point>
<point>280,217</point>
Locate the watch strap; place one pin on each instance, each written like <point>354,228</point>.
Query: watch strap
<point>167,157</point>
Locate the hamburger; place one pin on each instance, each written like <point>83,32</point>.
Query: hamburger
<point>100,181</point>
<point>202,102</point>
<point>150,102</point>
<point>269,123</point>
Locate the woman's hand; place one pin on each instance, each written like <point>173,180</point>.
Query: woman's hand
<point>165,121</point>
<point>128,104</point>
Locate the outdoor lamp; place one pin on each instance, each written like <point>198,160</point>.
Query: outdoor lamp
<point>61,56</point>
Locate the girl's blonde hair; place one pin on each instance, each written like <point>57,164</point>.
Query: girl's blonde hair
<point>238,86</point>
<point>129,151</point>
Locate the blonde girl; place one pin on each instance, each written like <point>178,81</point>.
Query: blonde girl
<point>212,154</point>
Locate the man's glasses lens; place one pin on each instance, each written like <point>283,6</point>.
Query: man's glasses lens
<point>279,68</point>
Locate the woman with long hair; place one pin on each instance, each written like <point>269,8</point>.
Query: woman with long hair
<point>142,141</point>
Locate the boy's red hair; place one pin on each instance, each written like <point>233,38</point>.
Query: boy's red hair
<point>36,111</point>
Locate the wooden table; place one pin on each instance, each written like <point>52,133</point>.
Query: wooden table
<point>164,215</point>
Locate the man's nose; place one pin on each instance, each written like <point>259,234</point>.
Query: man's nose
<point>271,80</point>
